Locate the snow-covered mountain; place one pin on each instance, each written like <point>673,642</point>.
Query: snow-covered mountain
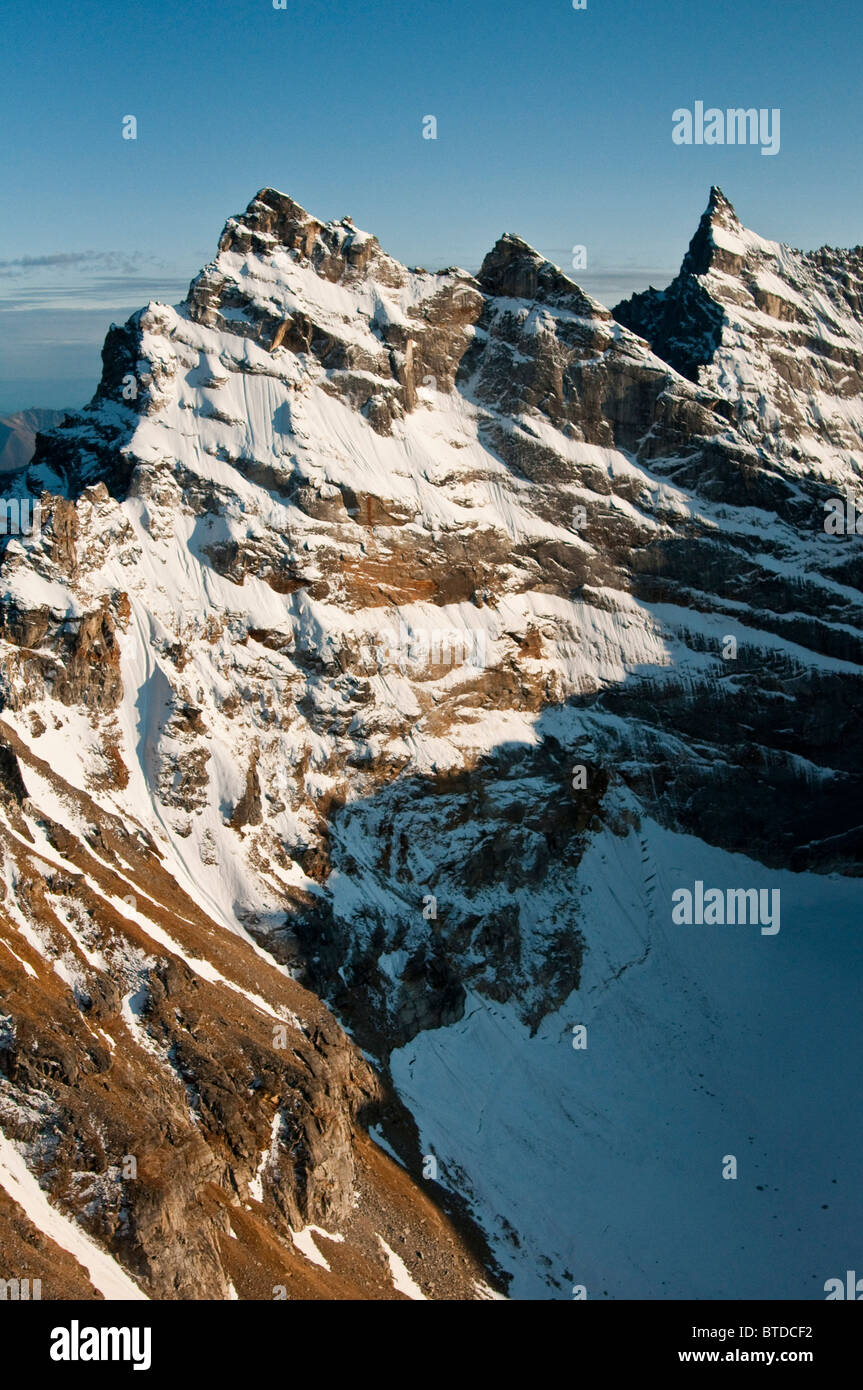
<point>775,332</point>
<point>394,647</point>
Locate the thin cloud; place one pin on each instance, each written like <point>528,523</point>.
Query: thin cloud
<point>633,280</point>
<point>105,262</point>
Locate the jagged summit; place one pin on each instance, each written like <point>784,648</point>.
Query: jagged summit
<point>326,298</point>
<point>776,333</point>
<point>304,291</point>
<point>514,269</point>
<point>274,221</point>
<point>683,323</point>
<point>719,205</point>
<point>719,225</point>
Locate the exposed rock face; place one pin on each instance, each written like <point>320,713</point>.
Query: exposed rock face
<point>683,323</point>
<point>776,333</point>
<point>377,369</point>
<point>250,1127</point>
<point>367,602</point>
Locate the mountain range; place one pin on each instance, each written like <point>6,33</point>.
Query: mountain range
<point>394,646</point>
<point>18,435</point>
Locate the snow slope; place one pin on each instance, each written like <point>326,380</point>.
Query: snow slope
<point>702,1042</point>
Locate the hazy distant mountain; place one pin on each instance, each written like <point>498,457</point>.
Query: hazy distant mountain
<point>395,646</point>
<point>18,435</point>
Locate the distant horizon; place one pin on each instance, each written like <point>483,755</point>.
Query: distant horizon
<point>438,128</point>
<point>43,309</point>
<point>44,314</point>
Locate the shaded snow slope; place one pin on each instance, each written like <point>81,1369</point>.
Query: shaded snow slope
<point>702,1042</point>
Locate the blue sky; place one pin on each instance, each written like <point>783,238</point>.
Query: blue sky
<point>552,122</point>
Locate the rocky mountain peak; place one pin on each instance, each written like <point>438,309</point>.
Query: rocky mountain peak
<point>274,222</point>
<point>513,269</point>
<point>775,333</point>
<point>720,209</point>
<point>707,248</point>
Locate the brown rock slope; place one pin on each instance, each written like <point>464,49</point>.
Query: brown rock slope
<point>176,1092</point>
